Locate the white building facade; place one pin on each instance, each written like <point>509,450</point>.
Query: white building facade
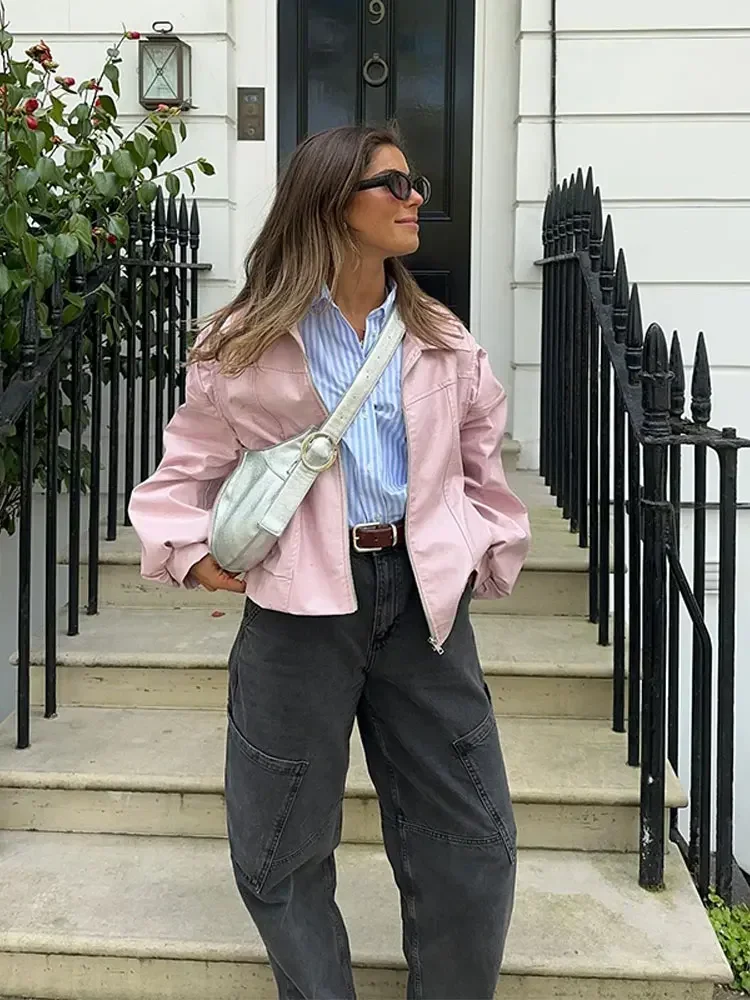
<point>655,96</point>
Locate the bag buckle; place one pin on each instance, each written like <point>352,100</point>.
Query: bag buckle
<point>324,455</point>
<point>372,524</point>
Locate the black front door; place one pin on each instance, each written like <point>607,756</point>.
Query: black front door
<point>343,62</point>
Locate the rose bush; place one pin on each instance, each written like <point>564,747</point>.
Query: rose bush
<point>69,176</point>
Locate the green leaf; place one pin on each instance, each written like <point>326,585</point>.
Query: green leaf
<point>141,147</point>
<point>108,105</point>
<point>57,111</point>
<point>173,184</point>
<point>25,180</point>
<point>15,221</point>
<point>79,112</point>
<point>4,279</point>
<point>112,73</point>
<point>118,226</point>
<point>183,130</point>
<point>105,184</point>
<point>206,168</point>
<point>65,246</point>
<point>20,71</point>
<point>45,269</point>
<point>6,41</point>
<point>168,141</point>
<point>48,170</point>
<point>75,157</point>
<point>147,192</point>
<point>191,176</point>
<point>30,249</point>
<point>26,154</point>
<point>122,164</point>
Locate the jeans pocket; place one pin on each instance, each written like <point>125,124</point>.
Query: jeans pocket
<point>482,757</point>
<point>260,794</point>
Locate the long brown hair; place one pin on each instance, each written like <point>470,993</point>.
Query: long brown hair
<point>304,244</point>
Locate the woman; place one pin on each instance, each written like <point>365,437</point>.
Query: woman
<point>362,608</point>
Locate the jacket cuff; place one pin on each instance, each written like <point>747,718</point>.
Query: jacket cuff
<point>182,561</point>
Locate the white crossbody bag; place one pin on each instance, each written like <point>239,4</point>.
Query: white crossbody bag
<point>258,500</point>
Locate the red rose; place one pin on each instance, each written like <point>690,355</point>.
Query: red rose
<point>98,102</point>
<point>31,105</point>
<point>133,35</point>
<point>162,108</point>
<point>65,81</point>
<point>32,123</point>
<point>112,240</point>
<point>56,140</point>
<point>93,85</point>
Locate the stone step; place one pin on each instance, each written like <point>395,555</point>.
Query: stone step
<point>554,580</point>
<point>103,917</point>
<point>160,772</point>
<point>167,658</point>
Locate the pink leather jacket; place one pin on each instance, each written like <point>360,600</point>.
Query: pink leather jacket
<point>461,515</point>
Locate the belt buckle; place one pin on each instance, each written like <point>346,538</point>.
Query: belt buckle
<point>372,524</point>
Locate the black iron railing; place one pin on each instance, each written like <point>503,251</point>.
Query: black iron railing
<point>613,435</point>
<point>131,338</point>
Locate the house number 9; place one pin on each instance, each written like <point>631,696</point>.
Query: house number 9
<point>377,9</point>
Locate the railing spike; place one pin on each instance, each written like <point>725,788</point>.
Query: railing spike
<point>634,338</point>
<point>570,208</point>
<point>195,226</point>
<point>562,200</point>
<point>183,225</point>
<point>588,208</point>
<point>580,190</point>
<point>172,213</point>
<point>655,383</point>
<point>595,233</point>
<point>607,266</point>
<point>146,220</point>
<point>29,335</point>
<point>160,218</point>
<point>608,247</point>
<point>622,299</point>
<point>677,389</point>
<point>700,389</point>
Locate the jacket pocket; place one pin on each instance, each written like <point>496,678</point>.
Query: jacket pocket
<point>482,757</point>
<point>260,794</point>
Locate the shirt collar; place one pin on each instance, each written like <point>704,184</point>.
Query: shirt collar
<point>325,299</point>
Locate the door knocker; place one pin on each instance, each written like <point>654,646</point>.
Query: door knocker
<point>375,60</point>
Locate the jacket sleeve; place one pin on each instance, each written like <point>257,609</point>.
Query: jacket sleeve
<point>170,511</point>
<point>486,487</point>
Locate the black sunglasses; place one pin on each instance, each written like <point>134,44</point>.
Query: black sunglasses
<point>399,184</point>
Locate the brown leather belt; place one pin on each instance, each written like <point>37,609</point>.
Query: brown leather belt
<point>375,537</point>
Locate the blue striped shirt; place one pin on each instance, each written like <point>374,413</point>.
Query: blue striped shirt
<point>374,455</point>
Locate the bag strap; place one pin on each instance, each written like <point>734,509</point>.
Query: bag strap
<point>302,476</point>
<point>339,422</point>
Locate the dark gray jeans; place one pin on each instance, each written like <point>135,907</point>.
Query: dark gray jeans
<point>296,685</point>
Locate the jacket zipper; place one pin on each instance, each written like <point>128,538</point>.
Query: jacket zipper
<point>342,488</point>
<point>433,641</point>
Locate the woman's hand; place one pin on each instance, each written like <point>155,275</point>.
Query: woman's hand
<point>211,576</point>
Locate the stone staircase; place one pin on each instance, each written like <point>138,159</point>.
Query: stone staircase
<point>115,882</point>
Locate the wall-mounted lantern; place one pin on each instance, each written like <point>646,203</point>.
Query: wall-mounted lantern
<point>164,69</point>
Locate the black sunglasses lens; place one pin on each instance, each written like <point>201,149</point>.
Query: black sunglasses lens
<point>399,186</point>
<point>422,186</point>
